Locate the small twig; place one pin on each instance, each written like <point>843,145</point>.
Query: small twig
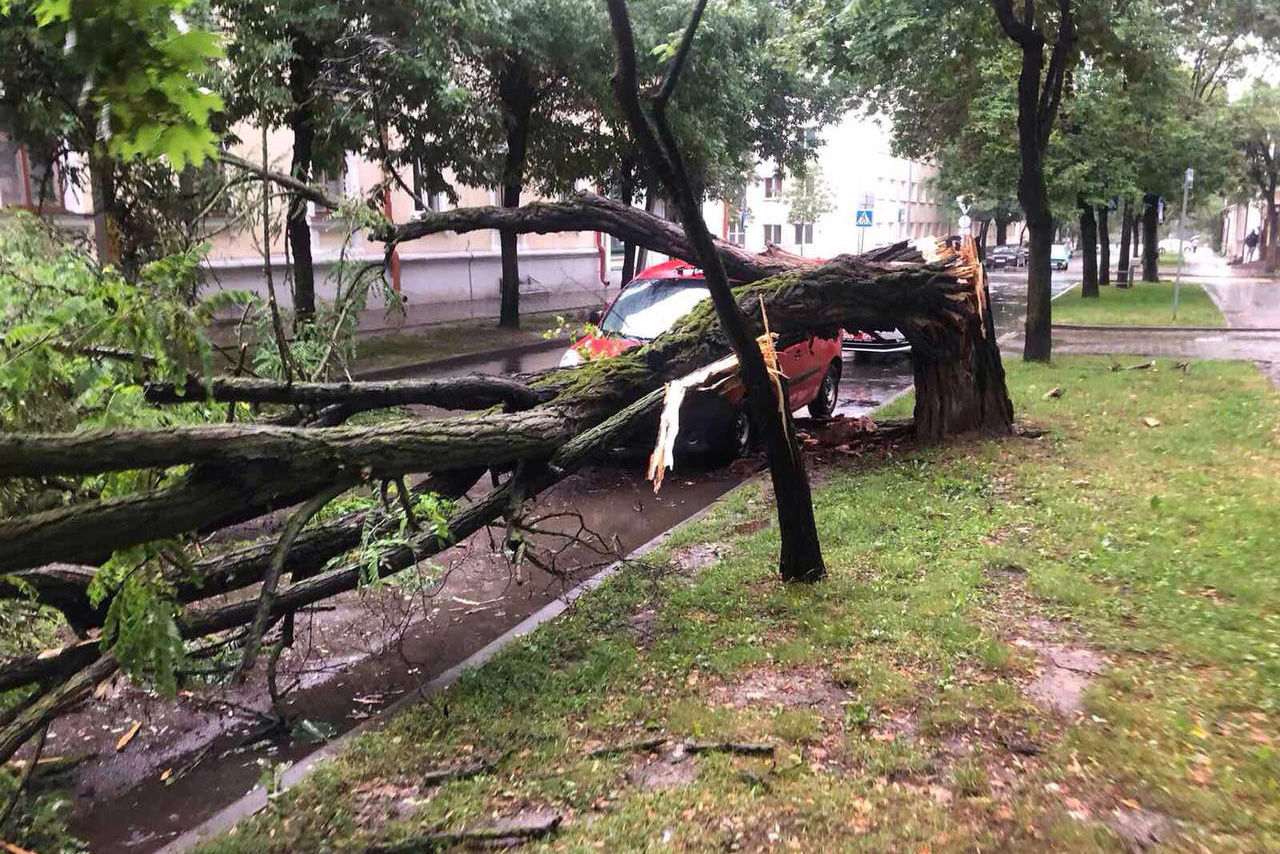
<point>738,748</point>
<point>646,745</point>
<point>495,835</point>
<point>436,776</point>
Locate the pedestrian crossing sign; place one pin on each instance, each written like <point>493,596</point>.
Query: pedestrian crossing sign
<point>864,218</point>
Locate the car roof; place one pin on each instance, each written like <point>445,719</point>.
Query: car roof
<point>673,269</point>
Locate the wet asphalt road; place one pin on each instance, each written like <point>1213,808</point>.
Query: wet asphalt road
<point>124,807</point>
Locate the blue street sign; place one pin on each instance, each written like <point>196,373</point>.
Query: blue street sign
<point>865,218</point>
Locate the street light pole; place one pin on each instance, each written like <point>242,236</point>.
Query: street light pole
<point>1182,234</point>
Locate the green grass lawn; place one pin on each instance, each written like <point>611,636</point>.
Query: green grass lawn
<point>1144,304</point>
<point>896,692</point>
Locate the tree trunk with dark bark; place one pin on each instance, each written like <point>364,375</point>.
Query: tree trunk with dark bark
<point>1104,245</point>
<point>627,195</point>
<point>1088,251</point>
<point>1038,102</point>
<point>517,92</point>
<point>1002,230</point>
<point>1150,238</point>
<point>304,71</point>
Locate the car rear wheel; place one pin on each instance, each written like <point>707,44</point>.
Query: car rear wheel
<point>824,405</point>
<point>739,437</point>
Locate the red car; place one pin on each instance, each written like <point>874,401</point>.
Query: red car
<point>651,304</point>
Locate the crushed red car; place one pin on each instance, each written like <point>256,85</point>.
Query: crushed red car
<point>652,302</point>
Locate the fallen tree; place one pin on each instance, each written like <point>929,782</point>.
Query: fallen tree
<point>532,432</point>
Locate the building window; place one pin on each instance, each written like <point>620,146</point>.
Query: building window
<point>423,198</point>
<point>773,187</point>
<point>737,233</point>
<point>334,185</point>
<point>773,234</point>
<point>804,233</point>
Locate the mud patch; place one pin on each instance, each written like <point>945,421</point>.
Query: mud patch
<point>643,626</point>
<point>665,771</point>
<point>1140,829</point>
<point>1065,673</point>
<point>795,689</point>
<point>690,559</point>
<point>1064,668</point>
<point>750,526</point>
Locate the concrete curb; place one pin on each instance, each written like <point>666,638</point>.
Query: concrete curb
<point>256,800</point>
<point>1216,329</point>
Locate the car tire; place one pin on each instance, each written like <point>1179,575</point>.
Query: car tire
<point>828,397</point>
<point>738,439</point>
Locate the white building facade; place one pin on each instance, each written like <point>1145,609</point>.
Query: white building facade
<point>858,172</point>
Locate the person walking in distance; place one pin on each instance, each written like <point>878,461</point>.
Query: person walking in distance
<point>1250,245</point>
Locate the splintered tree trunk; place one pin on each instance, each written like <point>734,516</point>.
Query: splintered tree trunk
<point>517,94</point>
<point>304,69</point>
<point>1104,246</point>
<point>960,382</point>
<point>1150,239</point>
<point>1088,251</point>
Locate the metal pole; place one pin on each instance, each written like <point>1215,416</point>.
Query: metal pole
<point>1182,218</point>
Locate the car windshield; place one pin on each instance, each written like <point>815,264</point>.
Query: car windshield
<point>1058,251</point>
<point>649,307</point>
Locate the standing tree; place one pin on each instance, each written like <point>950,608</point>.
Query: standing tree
<point>1256,129</point>
<point>1039,94</point>
<point>808,198</point>
<point>108,82</point>
<point>801,554</point>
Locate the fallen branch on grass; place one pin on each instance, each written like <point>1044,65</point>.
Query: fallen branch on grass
<point>503,834</point>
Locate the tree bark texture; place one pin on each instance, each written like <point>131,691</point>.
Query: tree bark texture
<point>1088,251</point>
<point>304,70</point>
<point>1104,245</point>
<point>517,94</point>
<point>1150,239</point>
<point>1039,92</point>
<point>1123,274</point>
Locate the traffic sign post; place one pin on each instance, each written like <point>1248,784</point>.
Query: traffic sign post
<point>864,219</point>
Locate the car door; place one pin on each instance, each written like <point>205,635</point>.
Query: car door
<point>803,364</point>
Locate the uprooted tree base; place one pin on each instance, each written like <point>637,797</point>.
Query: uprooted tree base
<point>546,427</point>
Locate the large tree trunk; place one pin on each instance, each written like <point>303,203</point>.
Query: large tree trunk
<point>642,251</point>
<point>1037,109</point>
<point>1104,245</point>
<point>304,71</point>
<point>517,93</point>
<point>1150,238</point>
<point>627,195</point>
<point>1270,251</point>
<point>106,225</point>
<point>1123,279</point>
<point>1088,251</point>
<point>1002,230</point>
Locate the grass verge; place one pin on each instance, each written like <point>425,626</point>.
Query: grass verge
<point>1054,644</point>
<point>1145,304</point>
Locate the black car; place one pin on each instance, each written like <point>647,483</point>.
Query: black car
<point>1006,256</point>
